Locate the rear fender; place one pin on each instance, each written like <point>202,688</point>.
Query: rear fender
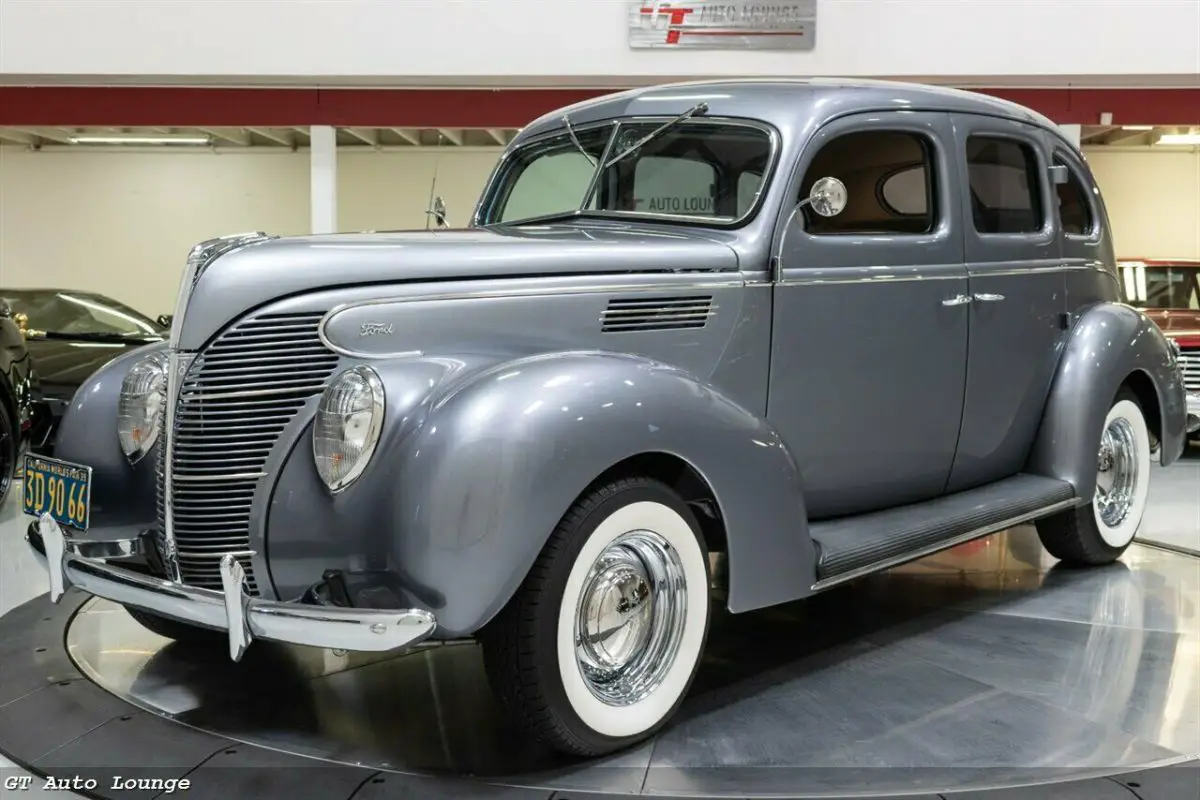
<point>1111,344</point>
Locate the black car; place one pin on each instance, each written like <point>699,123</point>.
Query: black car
<point>18,387</point>
<point>70,335</point>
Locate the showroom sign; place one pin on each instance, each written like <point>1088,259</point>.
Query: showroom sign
<point>723,25</point>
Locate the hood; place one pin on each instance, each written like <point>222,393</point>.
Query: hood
<point>63,365</point>
<point>254,275</point>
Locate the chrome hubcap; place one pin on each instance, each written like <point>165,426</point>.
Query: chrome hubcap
<point>629,618</point>
<point>1117,472</point>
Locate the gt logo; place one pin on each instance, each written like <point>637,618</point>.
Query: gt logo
<point>675,16</point>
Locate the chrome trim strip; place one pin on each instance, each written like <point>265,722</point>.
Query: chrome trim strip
<point>220,476</point>
<point>245,618</point>
<point>937,547</point>
<point>735,281</point>
<point>867,278</point>
<point>250,393</point>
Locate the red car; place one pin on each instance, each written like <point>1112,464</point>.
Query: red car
<point>1168,290</point>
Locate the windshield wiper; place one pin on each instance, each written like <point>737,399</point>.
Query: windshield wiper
<point>554,216</point>
<point>694,111</point>
<point>575,140</point>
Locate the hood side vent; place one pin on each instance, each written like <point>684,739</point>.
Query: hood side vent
<point>657,314</point>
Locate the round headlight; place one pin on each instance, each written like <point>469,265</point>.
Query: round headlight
<point>347,426</point>
<point>140,408</point>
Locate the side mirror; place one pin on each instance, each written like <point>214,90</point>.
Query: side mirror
<point>438,212</point>
<point>828,197</point>
<point>6,311</point>
<point>164,320</point>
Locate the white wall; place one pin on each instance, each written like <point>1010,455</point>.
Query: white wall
<point>542,42</point>
<point>122,223</point>
<point>1153,198</point>
<point>390,189</point>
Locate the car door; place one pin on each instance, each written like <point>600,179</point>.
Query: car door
<point>1018,291</point>
<point>868,352</point>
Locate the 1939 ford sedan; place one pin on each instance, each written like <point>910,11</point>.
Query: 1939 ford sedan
<point>817,328</point>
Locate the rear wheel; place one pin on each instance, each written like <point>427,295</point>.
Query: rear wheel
<point>600,644</point>
<point>1099,532</point>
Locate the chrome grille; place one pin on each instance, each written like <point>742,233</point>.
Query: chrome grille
<point>656,314</point>
<point>234,402</point>
<point>1189,359</point>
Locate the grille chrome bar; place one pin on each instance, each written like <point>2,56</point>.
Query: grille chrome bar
<point>1189,359</point>
<point>199,259</point>
<point>224,427</point>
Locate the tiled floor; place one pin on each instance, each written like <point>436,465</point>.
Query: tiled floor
<point>1173,518</point>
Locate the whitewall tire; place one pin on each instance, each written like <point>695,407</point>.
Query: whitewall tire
<point>1100,532</point>
<point>601,642</point>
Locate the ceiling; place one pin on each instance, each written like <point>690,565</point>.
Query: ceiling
<point>298,137</point>
<point>292,138</point>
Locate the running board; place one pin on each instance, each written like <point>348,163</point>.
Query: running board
<point>850,547</point>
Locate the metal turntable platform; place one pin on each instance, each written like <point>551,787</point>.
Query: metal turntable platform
<point>982,672</point>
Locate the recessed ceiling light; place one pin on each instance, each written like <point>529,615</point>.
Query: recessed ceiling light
<point>136,139</point>
<point>1179,139</point>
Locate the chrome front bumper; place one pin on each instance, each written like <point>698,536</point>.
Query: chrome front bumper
<point>1193,412</point>
<point>233,610</point>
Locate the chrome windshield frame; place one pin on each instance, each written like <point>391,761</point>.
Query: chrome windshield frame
<point>496,182</point>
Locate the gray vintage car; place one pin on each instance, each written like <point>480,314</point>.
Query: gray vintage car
<point>742,339</point>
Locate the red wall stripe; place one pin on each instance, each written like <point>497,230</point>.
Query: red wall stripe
<point>111,106</point>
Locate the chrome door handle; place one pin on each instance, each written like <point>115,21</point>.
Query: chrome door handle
<point>987,297</point>
<point>960,300</point>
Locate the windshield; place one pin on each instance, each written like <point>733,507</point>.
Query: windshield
<point>1163,287</point>
<point>79,314</point>
<point>694,169</point>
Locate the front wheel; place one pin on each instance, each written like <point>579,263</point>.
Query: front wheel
<point>1099,532</point>
<point>9,451</point>
<point>600,643</point>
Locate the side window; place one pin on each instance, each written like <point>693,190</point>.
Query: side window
<point>748,186</point>
<point>1005,194</point>
<point>668,185</point>
<point>889,177</point>
<point>904,191</point>
<point>1074,210</point>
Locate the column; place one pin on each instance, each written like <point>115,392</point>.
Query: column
<point>323,179</point>
<point>1072,132</point>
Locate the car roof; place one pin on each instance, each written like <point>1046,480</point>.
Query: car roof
<point>786,103</point>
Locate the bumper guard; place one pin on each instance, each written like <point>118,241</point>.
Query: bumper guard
<point>233,610</point>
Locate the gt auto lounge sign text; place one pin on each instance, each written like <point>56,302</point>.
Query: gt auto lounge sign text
<point>723,25</point>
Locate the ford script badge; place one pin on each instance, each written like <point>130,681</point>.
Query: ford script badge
<point>375,329</point>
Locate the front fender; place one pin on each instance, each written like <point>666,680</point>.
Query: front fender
<point>497,462</point>
<point>122,495</point>
<point>1109,344</point>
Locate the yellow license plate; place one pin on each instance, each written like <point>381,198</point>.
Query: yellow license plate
<point>60,488</point>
